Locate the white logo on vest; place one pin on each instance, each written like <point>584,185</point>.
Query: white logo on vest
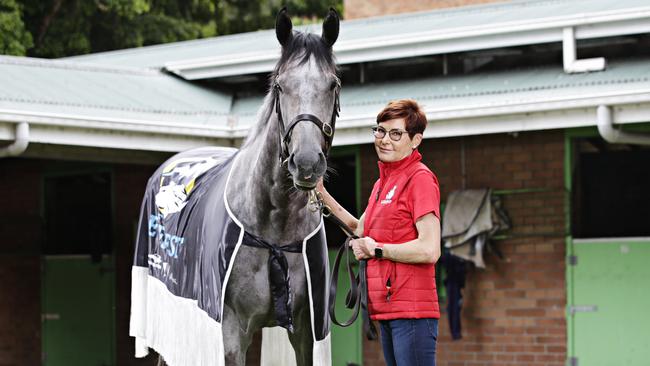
<point>389,196</point>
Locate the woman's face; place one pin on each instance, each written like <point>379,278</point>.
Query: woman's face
<point>389,150</point>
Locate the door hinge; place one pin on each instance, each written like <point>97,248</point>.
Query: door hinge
<point>583,309</point>
<point>573,260</point>
<point>573,361</point>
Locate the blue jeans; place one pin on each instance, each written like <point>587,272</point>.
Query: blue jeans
<point>409,342</point>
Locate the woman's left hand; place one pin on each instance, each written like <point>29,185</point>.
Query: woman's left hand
<point>363,248</point>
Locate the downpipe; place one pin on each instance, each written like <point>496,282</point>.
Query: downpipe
<point>614,135</point>
<point>20,142</point>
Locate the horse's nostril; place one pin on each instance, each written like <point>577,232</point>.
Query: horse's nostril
<point>291,162</point>
<point>321,164</point>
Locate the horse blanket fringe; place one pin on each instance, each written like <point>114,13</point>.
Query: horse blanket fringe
<point>187,242</point>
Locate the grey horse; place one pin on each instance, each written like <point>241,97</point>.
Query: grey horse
<point>270,197</point>
<point>228,242</point>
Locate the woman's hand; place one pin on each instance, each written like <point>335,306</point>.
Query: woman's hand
<point>363,248</point>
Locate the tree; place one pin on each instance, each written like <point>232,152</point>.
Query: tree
<point>71,27</point>
<point>237,16</point>
<point>14,38</point>
<point>58,28</point>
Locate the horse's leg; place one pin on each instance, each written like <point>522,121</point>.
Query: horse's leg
<point>235,339</point>
<point>247,305</point>
<point>302,339</point>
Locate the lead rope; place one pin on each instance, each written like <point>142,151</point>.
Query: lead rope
<point>357,297</point>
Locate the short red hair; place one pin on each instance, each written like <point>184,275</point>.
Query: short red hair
<point>414,118</point>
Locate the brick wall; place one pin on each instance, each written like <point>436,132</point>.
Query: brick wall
<point>354,9</point>
<point>514,309</point>
<point>20,265</point>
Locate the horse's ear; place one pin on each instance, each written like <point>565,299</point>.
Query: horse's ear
<point>283,27</point>
<point>331,27</point>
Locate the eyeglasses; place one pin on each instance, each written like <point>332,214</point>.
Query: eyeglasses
<point>394,134</point>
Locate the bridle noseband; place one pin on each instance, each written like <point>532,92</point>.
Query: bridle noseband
<point>284,136</point>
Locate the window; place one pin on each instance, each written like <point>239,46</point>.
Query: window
<point>611,190</point>
<point>78,216</point>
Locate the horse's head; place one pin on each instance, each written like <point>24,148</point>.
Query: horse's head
<point>306,89</point>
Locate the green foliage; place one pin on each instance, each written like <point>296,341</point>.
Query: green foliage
<point>237,16</point>
<point>14,38</point>
<point>58,28</point>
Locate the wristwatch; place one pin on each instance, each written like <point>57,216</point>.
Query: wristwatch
<point>379,251</point>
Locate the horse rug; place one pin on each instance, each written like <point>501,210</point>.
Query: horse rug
<point>187,242</point>
<point>470,219</point>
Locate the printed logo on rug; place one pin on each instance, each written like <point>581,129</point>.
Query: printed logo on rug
<point>177,181</point>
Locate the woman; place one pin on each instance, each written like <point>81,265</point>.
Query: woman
<point>400,237</point>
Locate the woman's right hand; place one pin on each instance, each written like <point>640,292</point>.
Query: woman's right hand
<point>363,248</point>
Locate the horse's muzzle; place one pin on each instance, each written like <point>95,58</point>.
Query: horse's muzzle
<point>306,169</point>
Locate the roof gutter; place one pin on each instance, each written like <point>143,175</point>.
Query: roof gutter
<point>615,136</point>
<point>20,142</point>
<point>118,124</point>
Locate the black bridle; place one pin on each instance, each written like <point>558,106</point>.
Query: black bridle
<point>326,128</point>
<point>357,296</point>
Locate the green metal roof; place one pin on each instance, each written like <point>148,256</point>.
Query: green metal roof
<point>59,99</point>
<point>73,89</point>
<point>496,88</point>
<point>496,93</point>
<point>395,36</point>
<point>534,84</point>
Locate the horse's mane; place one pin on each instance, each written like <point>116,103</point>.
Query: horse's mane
<point>300,48</point>
<point>297,51</point>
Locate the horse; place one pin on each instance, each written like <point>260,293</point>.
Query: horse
<point>268,192</point>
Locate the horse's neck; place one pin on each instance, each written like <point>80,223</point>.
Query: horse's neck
<point>261,193</point>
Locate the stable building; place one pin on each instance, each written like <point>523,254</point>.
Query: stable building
<point>547,103</point>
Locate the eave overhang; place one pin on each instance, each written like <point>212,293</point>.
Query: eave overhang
<point>402,45</point>
<point>629,106</point>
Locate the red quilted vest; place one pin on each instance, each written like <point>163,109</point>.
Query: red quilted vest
<point>389,219</point>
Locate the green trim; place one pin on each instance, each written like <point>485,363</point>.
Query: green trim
<point>521,190</point>
<point>569,275</point>
<point>357,164</point>
<point>43,307</point>
<point>355,150</point>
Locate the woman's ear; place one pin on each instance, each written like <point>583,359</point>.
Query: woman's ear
<point>416,141</point>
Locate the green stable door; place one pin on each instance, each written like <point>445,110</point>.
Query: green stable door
<point>78,315</point>
<point>611,300</point>
<point>347,349</point>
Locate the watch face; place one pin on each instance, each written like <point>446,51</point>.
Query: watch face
<point>379,253</point>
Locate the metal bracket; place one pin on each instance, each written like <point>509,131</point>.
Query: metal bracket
<point>583,309</point>
<point>573,260</point>
<point>571,64</point>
